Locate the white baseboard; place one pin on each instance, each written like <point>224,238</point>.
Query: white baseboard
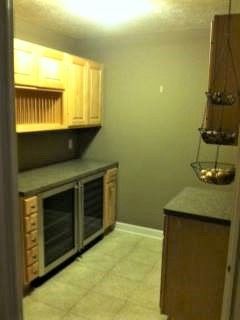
<point>143,231</point>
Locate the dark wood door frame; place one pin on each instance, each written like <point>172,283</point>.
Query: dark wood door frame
<point>10,245</point>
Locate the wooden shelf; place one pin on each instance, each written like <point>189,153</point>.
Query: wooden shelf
<point>38,110</point>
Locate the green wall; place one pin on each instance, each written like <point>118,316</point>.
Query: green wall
<point>152,135</point>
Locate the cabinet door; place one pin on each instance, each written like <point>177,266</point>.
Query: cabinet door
<point>51,68</point>
<point>25,63</point>
<point>77,92</point>
<point>110,203</point>
<point>95,93</point>
<point>193,268</point>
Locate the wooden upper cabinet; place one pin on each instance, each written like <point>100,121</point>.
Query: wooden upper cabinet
<point>95,92</point>
<point>37,66</point>
<point>25,63</point>
<point>51,68</point>
<point>77,91</point>
<point>66,91</point>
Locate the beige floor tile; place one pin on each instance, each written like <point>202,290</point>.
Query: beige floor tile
<point>98,261</point>
<point>70,316</point>
<point>125,238</point>
<point>104,247</point>
<point>59,295</point>
<point>121,251</point>
<point>146,296</point>
<point>95,254</point>
<point>120,236</point>
<point>158,265</point>
<point>118,287</point>
<point>115,249</point>
<point>151,244</point>
<point>96,306</point>
<point>144,256</point>
<point>134,312</point>
<point>80,276</point>
<point>35,310</point>
<point>131,270</point>
<point>153,280</point>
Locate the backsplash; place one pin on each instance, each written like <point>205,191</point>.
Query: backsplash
<point>36,150</point>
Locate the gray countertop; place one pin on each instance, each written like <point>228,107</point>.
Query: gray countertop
<point>215,205</point>
<point>38,180</point>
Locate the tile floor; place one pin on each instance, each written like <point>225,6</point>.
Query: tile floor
<point>117,279</point>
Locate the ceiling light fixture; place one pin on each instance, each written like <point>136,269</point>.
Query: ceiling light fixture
<point>109,12</point>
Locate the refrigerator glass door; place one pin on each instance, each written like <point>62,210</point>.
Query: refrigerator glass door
<point>58,226</point>
<point>92,208</point>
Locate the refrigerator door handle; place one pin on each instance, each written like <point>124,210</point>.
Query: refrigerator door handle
<point>80,220</point>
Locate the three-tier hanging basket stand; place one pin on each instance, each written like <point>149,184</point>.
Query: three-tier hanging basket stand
<point>216,172</point>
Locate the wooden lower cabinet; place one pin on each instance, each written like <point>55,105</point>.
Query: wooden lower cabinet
<point>193,268</point>
<point>110,198</point>
<point>29,214</point>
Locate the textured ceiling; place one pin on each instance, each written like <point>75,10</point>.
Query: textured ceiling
<point>168,16</point>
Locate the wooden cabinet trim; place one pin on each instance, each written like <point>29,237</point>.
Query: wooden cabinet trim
<point>110,198</point>
<point>111,174</point>
<point>31,239</point>
<point>32,272</point>
<point>51,53</point>
<point>30,205</point>
<point>164,265</point>
<point>31,256</point>
<point>29,230</point>
<point>31,223</point>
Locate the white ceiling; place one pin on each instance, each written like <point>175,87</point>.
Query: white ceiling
<point>168,16</point>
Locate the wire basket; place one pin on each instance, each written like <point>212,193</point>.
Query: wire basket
<point>214,173</point>
<point>221,98</point>
<point>218,137</point>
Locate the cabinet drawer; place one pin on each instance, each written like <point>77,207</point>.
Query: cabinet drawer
<point>30,223</point>
<point>32,272</point>
<point>30,205</point>
<point>32,256</point>
<point>111,174</point>
<point>31,239</point>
